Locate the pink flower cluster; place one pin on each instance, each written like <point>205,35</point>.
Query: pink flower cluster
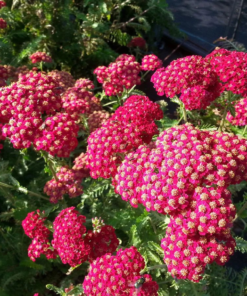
<point>101,242</point>
<point>68,237</point>
<point>116,275</point>
<point>63,78</point>
<point>84,83</point>
<point>23,106</point>
<point>96,119</point>
<point>123,73</point>
<point>187,257</point>
<point>129,127</point>
<point>2,4</point>
<point>241,113</point>
<point>185,174</point>
<point>59,137</point>
<point>38,57</point>
<point>192,77</point>
<point>80,165</point>
<point>74,244</point>
<point>68,181</point>
<point>151,62</point>
<point>77,100</point>
<point>230,66</point>
<point>137,42</point>
<point>3,24</point>
<point>34,228</point>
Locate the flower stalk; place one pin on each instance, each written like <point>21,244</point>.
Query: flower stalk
<point>28,191</point>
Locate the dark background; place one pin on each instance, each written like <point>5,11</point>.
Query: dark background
<point>204,21</point>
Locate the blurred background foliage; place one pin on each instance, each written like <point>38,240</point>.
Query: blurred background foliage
<point>79,35</point>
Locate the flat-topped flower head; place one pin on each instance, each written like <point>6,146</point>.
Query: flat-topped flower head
<point>38,57</point>
<point>59,135</point>
<point>129,127</point>
<point>68,237</point>
<point>68,181</point>
<point>63,78</point>
<point>193,77</point>
<point>151,62</point>
<point>123,73</point>
<point>116,275</point>
<point>230,66</point>
<point>187,257</point>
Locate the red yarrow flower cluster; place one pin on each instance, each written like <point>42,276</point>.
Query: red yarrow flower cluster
<point>2,4</point>
<point>80,165</point>
<point>240,117</point>
<point>96,120</point>
<point>34,228</point>
<point>77,100</point>
<point>38,57</point>
<point>68,181</point>
<point>185,174</point>
<point>137,42</point>
<point>68,237</point>
<point>59,136</point>
<point>84,83</point>
<point>230,66</point>
<point>3,24</point>
<point>63,78</point>
<point>23,132</point>
<point>187,257</point>
<point>192,77</point>
<point>116,275</point>
<point>130,126</point>
<point>151,62</point>
<point>103,241</point>
<point>123,73</point>
<point>23,99</point>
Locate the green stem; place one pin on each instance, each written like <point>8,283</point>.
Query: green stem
<point>28,191</point>
<point>244,130</point>
<point>240,211</point>
<point>223,119</point>
<point>145,74</point>
<point>41,66</point>
<point>49,164</point>
<point>119,101</point>
<point>194,289</point>
<point>184,114</point>
<point>157,267</point>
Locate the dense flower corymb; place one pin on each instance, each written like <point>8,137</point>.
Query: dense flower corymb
<point>231,67</point>
<point>123,73</point>
<point>38,57</point>
<point>129,127</point>
<point>102,242</point>
<point>151,62</point>
<point>63,78</point>
<point>116,275</point>
<point>68,237</point>
<point>192,77</point>
<point>34,227</point>
<point>59,136</point>
<point>68,181</point>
